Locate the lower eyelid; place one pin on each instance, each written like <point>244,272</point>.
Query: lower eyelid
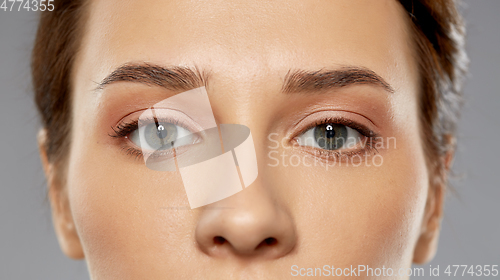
<point>338,155</point>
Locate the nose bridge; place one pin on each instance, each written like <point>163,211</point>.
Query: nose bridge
<point>253,222</point>
<point>247,103</point>
<point>249,223</point>
<point>240,91</point>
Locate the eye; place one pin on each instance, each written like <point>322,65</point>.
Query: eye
<point>330,136</point>
<point>156,136</point>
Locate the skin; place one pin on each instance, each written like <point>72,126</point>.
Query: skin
<point>130,222</point>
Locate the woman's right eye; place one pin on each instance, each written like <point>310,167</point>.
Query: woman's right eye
<point>162,136</point>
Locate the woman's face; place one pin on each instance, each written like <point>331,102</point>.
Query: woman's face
<point>356,69</point>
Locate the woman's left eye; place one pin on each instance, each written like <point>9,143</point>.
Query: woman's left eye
<point>161,136</point>
<point>330,136</point>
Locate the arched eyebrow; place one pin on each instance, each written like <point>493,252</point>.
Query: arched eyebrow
<point>178,78</point>
<point>297,81</point>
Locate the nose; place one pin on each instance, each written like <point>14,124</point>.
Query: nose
<point>247,224</point>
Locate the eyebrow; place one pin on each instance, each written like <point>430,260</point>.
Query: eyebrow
<point>312,81</point>
<point>179,78</point>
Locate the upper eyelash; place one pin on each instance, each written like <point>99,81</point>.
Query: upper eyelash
<point>123,129</point>
<point>343,121</point>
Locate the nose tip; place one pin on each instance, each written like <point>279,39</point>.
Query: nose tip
<point>245,226</point>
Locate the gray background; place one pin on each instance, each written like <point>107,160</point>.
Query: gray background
<point>28,245</point>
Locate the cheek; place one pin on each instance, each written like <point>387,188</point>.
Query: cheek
<point>126,215</point>
<point>359,215</point>
<point>391,210</point>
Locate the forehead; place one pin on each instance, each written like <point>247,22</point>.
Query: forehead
<point>246,38</point>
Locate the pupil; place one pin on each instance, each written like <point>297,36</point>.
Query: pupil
<point>330,133</point>
<point>161,132</point>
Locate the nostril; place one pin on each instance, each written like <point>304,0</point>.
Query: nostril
<point>219,240</point>
<point>270,241</point>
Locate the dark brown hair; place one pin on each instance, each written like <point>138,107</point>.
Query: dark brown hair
<point>438,33</point>
<point>439,36</point>
<point>56,44</point>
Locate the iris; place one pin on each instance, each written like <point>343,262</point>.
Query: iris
<point>330,136</point>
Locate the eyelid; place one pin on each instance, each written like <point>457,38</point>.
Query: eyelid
<point>353,120</point>
<point>178,116</point>
<point>131,123</point>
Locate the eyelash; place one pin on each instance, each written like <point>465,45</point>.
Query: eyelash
<point>334,155</point>
<point>124,129</point>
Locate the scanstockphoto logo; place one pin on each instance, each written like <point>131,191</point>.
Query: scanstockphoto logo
<point>214,162</point>
<point>329,147</point>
